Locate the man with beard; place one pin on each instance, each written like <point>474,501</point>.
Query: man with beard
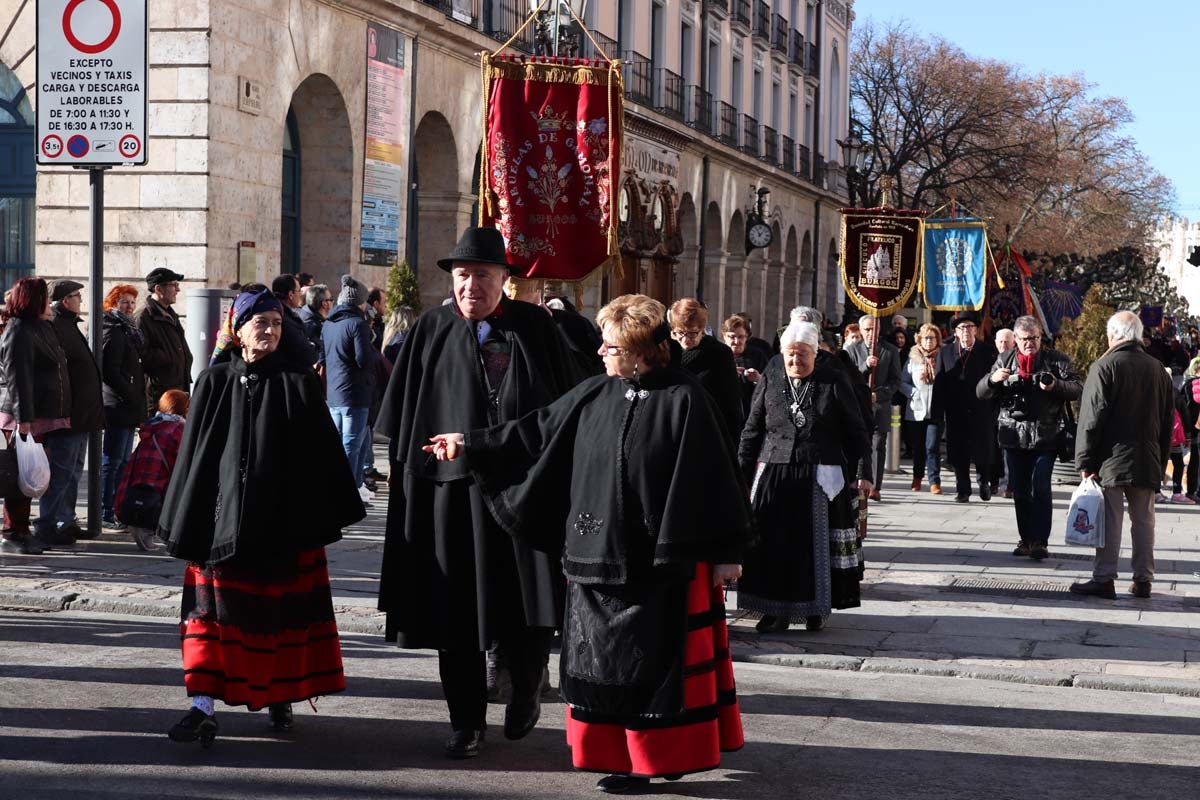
<point>970,420</point>
<point>452,579</point>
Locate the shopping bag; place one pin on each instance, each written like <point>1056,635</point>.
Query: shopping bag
<point>1085,520</point>
<point>33,468</point>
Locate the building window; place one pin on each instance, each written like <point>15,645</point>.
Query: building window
<point>656,36</point>
<point>714,69</point>
<point>18,181</point>
<point>776,106</point>
<point>289,235</point>
<point>624,25</point>
<point>836,114</point>
<point>686,47</point>
<point>793,101</point>
<point>735,88</point>
<point>758,95</point>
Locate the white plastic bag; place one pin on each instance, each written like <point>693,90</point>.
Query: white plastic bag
<point>1085,520</point>
<point>33,469</point>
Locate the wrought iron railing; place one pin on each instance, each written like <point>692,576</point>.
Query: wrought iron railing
<point>818,172</point>
<point>750,138</point>
<point>770,151</point>
<point>814,61</point>
<point>506,18</point>
<point>727,125</point>
<point>719,5</point>
<point>798,52</point>
<point>787,150</point>
<point>638,72</point>
<point>668,93</point>
<point>698,109</point>
<point>779,34</point>
<point>740,13</point>
<point>803,162</point>
<point>608,47</point>
<point>762,20</point>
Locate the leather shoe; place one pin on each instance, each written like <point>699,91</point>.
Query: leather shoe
<point>1021,550</point>
<point>280,717</point>
<point>814,623</point>
<point>769,624</point>
<point>24,545</point>
<point>57,537</point>
<point>195,725</point>
<point>1140,589</point>
<point>622,784</point>
<point>985,493</point>
<point>1095,588</point>
<point>935,488</point>
<point>520,718</point>
<point>962,498</point>
<point>875,495</point>
<point>464,744</point>
<point>1039,552</point>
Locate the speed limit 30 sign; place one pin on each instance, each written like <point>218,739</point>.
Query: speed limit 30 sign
<point>91,82</point>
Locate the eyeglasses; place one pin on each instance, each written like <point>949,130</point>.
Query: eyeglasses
<point>683,335</point>
<point>735,337</point>
<point>611,349</point>
<point>74,294</point>
<point>965,325</point>
<point>1029,338</point>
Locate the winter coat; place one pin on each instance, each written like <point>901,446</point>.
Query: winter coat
<point>312,322</point>
<point>1125,419</point>
<point>34,380</point>
<point>887,372</point>
<point>712,362</point>
<point>294,342</point>
<point>167,361</point>
<point>124,379</point>
<point>919,395</point>
<point>1030,418</point>
<point>351,369</point>
<point>87,400</point>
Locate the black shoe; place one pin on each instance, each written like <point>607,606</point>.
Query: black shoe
<point>769,624</point>
<point>196,725</point>
<point>370,484</point>
<point>1140,589</point>
<point>57,537</point>
<point>374,475</point>
<point>73,529</point>
<point>1095,588</point>
<point>520,718</point>
<point>24,545</point>
<point>280,716</point>
<point>961,498</point>
<point>985,493</point>
<point>464,744</point>
<point>622,784</point>
<point>1039,552</point>
<point>814,623</point>
<point>1021,550</point>
<point>111,523</point>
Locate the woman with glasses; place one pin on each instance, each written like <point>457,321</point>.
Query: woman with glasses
<point>626,478</point>
<point>748,361</point>
<point>711,361</point>
<point>916,385</point>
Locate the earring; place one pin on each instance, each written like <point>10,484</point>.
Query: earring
<point>635,371</point>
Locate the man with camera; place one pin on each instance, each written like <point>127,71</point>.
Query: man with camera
<point>1031,383</point>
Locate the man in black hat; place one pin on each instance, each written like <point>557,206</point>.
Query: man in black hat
<point>452,579</point>
<point>970,422</point>
<point>167,360</point>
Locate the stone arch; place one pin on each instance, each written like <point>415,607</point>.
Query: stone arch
<point>325,189</point>
<point>437,201</point>
<point>776,248</point>
<point>685,221</point>
<point>714,253</point>
<point>733,296</point>
<point>735,241</point>
<point>791,275</point>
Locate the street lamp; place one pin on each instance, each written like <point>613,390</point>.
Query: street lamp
<point>854,157</point>
<point>555,30</point>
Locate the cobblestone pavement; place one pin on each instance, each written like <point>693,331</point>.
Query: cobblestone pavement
<point>943,596</point>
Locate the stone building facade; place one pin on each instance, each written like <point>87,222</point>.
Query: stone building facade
<point>258,135</point>
<point>1175,239</point>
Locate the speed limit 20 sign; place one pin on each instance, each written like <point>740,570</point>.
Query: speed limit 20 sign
<point>91,82</point>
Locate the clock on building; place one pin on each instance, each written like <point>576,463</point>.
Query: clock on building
<point>758,235</point>
<point>623,205</point>
<point>656,208</point>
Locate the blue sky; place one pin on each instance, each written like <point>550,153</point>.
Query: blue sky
<point>1145,52</point>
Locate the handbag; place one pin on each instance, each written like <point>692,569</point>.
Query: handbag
<point>8,469</point>
<point>1064,439</point>
<point>33,468</point>
<point>141,503</point>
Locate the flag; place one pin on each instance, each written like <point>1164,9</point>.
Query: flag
<point>955,264</point>
<point>881,254</point>
<point>552,148</point>
<point>1152,316</point>
<point>1061,301</point>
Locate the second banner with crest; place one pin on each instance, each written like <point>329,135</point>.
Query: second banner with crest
<point>881,254</point>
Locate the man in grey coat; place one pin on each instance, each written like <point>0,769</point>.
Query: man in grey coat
<point>1124,441</point>
<point>879,363</point>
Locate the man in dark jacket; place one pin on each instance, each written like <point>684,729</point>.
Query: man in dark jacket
<point>350,373</point>
<point>452,579</point>
<point>879,364</point>
<point>969,419</point>
<point>124,394</point>
<point>293,341</point>
<point>317,303</point>
<point>66,447</point>
<point>1031,383</point>
<point>167,359</point>
<point>1124,441</point>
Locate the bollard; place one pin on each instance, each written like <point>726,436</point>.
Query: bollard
<point>893,445</point>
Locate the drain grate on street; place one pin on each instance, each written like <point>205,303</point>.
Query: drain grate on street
<point>1072,556</point>
<point>1008,588</point>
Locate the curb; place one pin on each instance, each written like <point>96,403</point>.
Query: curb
<point>45,600</point>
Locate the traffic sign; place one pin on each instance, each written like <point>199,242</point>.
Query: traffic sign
<point>91,82</point>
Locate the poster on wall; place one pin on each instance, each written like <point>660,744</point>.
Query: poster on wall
<point>385,161</point>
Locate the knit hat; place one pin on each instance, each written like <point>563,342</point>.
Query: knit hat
<point>354,292</point>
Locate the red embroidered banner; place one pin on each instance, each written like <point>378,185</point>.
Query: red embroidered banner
<point>881,251</point>
<point>551,148</point>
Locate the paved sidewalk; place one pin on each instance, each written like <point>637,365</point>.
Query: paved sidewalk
<point>943,595</point>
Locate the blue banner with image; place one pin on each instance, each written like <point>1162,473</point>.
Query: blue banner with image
<point>955,268</point>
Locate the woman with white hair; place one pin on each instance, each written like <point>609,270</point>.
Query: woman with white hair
<point>804,427</point>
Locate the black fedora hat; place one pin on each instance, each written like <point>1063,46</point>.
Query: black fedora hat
<point>480,246</point>
<point>965,316</point>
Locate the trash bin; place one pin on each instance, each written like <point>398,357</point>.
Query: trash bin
<point>206,310</point>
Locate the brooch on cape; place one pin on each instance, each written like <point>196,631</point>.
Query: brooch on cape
<point>588,524</point>
<point>641,394</point>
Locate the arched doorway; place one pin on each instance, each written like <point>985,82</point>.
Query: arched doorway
<point>18,181</point>
<point>714,257</point>
<point>435,204</point>
<point>804,293</point>
<point>791,277</point>
<point>318,228</point>
<point>688,267</point>
<point>735,268</point>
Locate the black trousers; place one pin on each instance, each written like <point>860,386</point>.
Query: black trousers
<point>464,675</point>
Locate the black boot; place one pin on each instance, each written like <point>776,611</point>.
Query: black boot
<point>196,725</point>
<point>622,784</point>
<point>280,716</point>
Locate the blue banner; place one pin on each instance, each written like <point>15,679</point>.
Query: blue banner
<point>956,258</point>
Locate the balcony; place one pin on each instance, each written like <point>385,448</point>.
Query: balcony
<point>803,162</point>
<point>814,61</point>
<point>638,72</point>
<point>719,6</point>
<point>762,20</point>
<point>779,35</point>
<point>507,16</point>
<point>798,52</point>
<point>698,109</point>
<point>668,93</point>
<point>818,172</point>
<point>727,127</point>
<point>740,15</point>
<point>750,138</point>
<point>608,47</point>
<point>770,151</point>
<point>787,150</point>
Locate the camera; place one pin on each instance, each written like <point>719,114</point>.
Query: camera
<point>1045,378</point>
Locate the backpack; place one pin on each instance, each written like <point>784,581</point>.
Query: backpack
<point>140,504</point>
<point>1178,435</point>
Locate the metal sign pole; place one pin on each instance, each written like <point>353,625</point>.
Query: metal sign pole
<point>95,331</point>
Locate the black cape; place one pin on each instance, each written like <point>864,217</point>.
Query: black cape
<point>451,578</point>
<point>970,421</point>
<point>712,362</point>
<point>632,484</point>
<point>261,469</point>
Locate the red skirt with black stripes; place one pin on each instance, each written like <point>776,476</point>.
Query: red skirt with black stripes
<point>672,744</point>
<point>258,634</point>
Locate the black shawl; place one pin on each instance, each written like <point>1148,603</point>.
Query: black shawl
<point>261,469</point>
<point>616,473</point>
<point>712,362</point>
